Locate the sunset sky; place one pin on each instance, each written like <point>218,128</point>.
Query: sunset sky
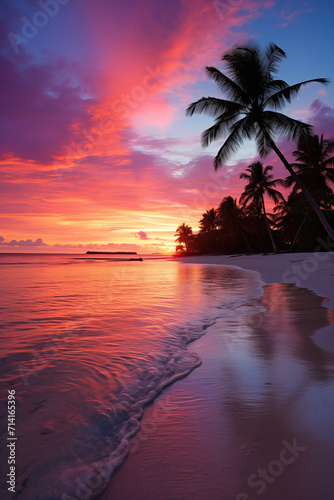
<point>96,151</point>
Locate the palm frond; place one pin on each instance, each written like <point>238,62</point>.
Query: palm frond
<point>266,171</point>
<point>226,85</point>
<point>327,163</point>
<point>275,195</point>
<point>280,98</point>
<point>274,86</point>
<point>274,56</point>
<point>247,68</point>
<point>262,140</point>
<point>219,129</point>
<point>238,131</point>
<point>282,182</point>
<point>329,172</point>
<point>288,181</point>
<point>213,106</point>
<point>286,126</point>
<point>246,197</point>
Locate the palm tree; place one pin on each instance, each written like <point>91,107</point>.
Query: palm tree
<point>315,165</point>
<point>209,237</point>
<point>209,221</point>
<point>184,235</point>
<point>260,182</point>
<point>231,219</point>
<point>291,215</point>
<point>179,248</point>
<point>250,111</point>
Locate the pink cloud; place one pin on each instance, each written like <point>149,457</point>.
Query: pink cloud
<point>289,17</point>
<point>78,158</point>
<point>299,112</point>
<point>158,113</point>
<point>168,55</point>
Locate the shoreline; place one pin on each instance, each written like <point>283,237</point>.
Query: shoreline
<point>312,270</point>
<point>253,397</point>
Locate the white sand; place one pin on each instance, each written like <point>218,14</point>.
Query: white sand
<point>314,270</point>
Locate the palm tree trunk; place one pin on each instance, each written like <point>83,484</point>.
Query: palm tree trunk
<point>306,192</point>
<point>223,246</point>
<point>245,239</point>
<point>268,227</point>
<point>297,234</point>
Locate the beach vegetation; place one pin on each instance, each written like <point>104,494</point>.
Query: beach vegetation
<point>251,110</point>
<point>232,222</point>
<point>185,236</point>
<point>314,166</point>
<point>244,226</point>
<point>261,182</point>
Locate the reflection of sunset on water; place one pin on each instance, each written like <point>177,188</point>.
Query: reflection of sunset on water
<point>90,340</point>
<point>263,387</point>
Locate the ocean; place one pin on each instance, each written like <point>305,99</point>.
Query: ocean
<point>87,342</point>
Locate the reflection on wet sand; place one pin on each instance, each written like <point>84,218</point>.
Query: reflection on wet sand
<point>284,394</point>
<point>254,421</point>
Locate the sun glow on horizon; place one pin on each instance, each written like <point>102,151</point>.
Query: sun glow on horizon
<point>97,148</point>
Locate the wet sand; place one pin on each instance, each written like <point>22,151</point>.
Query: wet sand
<point>311,270</point>
<point>255,420</point>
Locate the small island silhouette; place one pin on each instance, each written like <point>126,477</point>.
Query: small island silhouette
<point>113,253</point>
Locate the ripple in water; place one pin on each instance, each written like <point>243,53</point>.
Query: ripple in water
<point>87,347</point>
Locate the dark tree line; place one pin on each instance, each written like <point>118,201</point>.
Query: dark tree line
<point>246,226</point>
<point>250,110</point>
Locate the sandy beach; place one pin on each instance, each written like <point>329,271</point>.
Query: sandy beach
<point>255,419</point>
<point>314,271</point>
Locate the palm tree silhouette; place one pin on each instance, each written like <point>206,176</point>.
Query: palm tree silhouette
<point>291,215</point>
<point>260,182</point>
<point>315,165</point>
<point>209,238</point>
<point>184,235</point>
<point>232,220</point>
<point>209,221</point>
<point>250,110</point>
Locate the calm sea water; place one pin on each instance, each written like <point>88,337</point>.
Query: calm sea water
<point>86,343</point>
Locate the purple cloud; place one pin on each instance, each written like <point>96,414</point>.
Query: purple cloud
<point>142,235</point>
<point>39,103</point>
<point>99,246</point>
<point>322,119</point>
<point>25,243</point>
<point>67,246</point>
